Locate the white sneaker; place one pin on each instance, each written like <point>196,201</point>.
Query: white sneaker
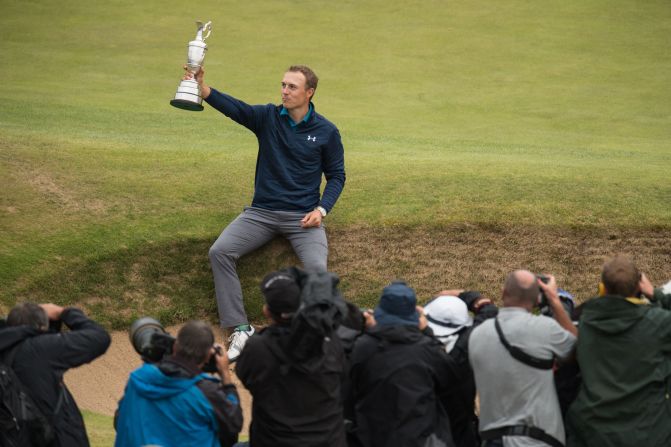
<point>237,341</point>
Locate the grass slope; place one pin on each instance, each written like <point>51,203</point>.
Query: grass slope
<point>99,428</point>
<point>523,114</point>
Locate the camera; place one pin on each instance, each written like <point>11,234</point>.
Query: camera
<point>153,343</point>
<point>567,300</point>
<point>543,301</point>
<point>55,326</point>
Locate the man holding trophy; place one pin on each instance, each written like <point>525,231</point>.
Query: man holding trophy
<point>296,146</point>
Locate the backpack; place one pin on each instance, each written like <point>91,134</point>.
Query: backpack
<point>321,311</point>
<point>21,421</point>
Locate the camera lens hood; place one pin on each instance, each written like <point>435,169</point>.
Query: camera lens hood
<point>139,331</point>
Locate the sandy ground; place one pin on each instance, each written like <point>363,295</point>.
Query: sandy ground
<point>99,385</point>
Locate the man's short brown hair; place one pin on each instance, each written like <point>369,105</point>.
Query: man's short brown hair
<point>620,276</point>
<point>311,78</point>
<point>194,341</point>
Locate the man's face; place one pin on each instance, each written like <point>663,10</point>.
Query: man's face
<point>294,93</point>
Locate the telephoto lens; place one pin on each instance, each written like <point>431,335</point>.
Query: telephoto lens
<point>150,340</point>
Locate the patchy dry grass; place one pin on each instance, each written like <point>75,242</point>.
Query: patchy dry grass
<point>173,281</point>
<point>479,257</point>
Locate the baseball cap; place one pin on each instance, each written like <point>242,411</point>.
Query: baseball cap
<point>397,306</point>
<point>282,293</point>
<point>666,288</point>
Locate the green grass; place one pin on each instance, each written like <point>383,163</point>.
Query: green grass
<point>100,429</point>
<point>513,112</point>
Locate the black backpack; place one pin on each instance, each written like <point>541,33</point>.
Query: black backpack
<point>21,422</point>
<point>321,311</point>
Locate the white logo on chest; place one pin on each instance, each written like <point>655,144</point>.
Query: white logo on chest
<point>310,138</point>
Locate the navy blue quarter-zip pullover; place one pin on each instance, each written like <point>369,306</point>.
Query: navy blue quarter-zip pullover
<point>291,158</point>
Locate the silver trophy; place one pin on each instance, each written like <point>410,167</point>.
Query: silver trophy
<point>188,93</point>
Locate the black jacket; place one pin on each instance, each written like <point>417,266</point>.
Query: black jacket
<point>41,359</point>
<point>397,373</point>
<point>459,401</point>
<point>293,404</point>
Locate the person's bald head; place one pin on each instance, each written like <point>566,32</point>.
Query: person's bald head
<point>621,277</point>
<point>521,289</point>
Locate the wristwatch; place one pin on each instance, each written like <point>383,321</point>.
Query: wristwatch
<point>321,210</point>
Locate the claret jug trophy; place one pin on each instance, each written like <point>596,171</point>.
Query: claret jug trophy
<point>188,93</point>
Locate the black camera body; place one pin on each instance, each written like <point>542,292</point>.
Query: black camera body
<point>154,343</point>
<point>543,301</point>
<point>55,326</point>
<point>566,299</point>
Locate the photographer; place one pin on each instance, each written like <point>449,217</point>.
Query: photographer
<point>449,319</point>
<point>173,402</point>
<point>40,356</point>
<point>296,387</point>
<point>624,353</point>
<point>398,371</point>
<point>512,357</point>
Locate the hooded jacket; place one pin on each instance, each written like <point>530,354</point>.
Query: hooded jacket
<point>172,404</point>
<point>624,353</point>
<point>397,373</point>
<point>296,402</point>
<point>41,359</point>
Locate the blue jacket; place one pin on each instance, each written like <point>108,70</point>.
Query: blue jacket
<point>166,411</point>
<point>291,159</point>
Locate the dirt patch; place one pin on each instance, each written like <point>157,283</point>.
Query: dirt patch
<point>52,190</point>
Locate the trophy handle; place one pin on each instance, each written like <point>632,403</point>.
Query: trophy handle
<point>207,27</point>
<point>203,27</point>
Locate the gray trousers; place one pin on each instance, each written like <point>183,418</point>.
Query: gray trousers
<point>249,231</point>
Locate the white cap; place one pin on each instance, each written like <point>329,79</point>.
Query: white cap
<point>666,288</point>
<point>447,315</point>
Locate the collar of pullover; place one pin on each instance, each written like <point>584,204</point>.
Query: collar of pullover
<point>285,112</point>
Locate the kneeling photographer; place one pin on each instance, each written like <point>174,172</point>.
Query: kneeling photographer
<point>170,400</point>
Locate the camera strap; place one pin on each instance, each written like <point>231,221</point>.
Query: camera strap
<point>520,355</point>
